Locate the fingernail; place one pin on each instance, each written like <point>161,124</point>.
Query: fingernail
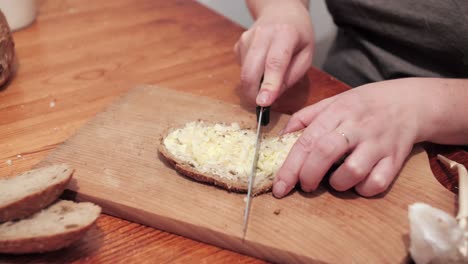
<point>279,189</point>
<point>263,97</point>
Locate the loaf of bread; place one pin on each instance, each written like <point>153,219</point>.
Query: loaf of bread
<point>29,192</point>
<point>222,154</point>
<point>55,227</point>
<point>7,50</point>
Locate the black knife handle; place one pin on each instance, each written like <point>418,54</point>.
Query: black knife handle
<point>265,116</point>
<point>266,110</point>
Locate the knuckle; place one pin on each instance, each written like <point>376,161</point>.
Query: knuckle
<point>287,31</point>
<point>275,64</point>
<point>261,30</point>
<point>246,80</point>
<point>286,27</point>
<point>305,142</point>
<point>355,171</point>
<point>288,52</point>
<point>235,48</point>
<point>269,85</point>
<point>297,118</point>
<point>244,37</point>
<point>375,186</point>
<point>265,32</point>
<point>322,124</point>
<point>324,148</point>
<point>379,185</point>
<point>340,107</point>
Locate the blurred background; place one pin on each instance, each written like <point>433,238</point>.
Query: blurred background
<point>325,29</point>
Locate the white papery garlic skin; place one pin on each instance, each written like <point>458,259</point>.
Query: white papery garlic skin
<point>435,236</point>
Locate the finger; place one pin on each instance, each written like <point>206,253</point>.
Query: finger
<point>380,178</point>
<point>237,52</point>
<point>288,174</point>
<point>299,65</point>
<point>243,44</point>
<point>284,184</point>
<point>302,118</point>
<point>356,167</point>
<point>385,171</point>
<point>326,151</point>
<point>276,64</point>
<point>253,65</point>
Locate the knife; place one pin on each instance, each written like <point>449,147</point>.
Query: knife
<point>263,118</point>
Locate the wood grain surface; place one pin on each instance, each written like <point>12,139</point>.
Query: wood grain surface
<point>444,175</point>
<point>83,54</point>
<point>78,57</point>
<point>115,157</point>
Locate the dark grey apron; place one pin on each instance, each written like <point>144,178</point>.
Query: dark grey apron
<point>381,39</point>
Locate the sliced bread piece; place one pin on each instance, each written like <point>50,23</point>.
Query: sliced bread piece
<point>53,228</point>
<point>7,51</point>
<point>222,154</point>
<point>29,192</point>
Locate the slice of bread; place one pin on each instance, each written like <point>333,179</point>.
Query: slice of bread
<point>222,154</point>
<point>29,192</point>
<point>7,51</point>
<point>53,228</point>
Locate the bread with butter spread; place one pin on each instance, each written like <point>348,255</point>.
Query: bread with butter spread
<point>222,154</point>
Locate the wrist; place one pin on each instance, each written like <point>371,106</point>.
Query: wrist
<point>443,110</point>
<point>260,8</point>
<point>427,107</point>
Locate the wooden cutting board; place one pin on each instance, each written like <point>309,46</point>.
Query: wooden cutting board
<point>118,167</point>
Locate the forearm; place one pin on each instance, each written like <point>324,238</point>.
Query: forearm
<point>447,109</point>
<point>257,7</point>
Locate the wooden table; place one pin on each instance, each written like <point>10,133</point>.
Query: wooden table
<point>79,56</point>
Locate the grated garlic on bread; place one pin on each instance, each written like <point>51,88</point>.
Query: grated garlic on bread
<point>29,192</point>
<point>53,228</point>
<point>222,154</point>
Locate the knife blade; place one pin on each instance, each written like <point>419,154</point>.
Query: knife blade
<point>253,171</point>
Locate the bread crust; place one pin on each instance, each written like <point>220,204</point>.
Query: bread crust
<point>7,51</point>
<point>43,243</point>
<point>33,203</point>
<point>46,243</point>
<point>209,178</point>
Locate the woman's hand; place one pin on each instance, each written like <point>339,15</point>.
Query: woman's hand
<point>279,45</point>
<point>377,125</point>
